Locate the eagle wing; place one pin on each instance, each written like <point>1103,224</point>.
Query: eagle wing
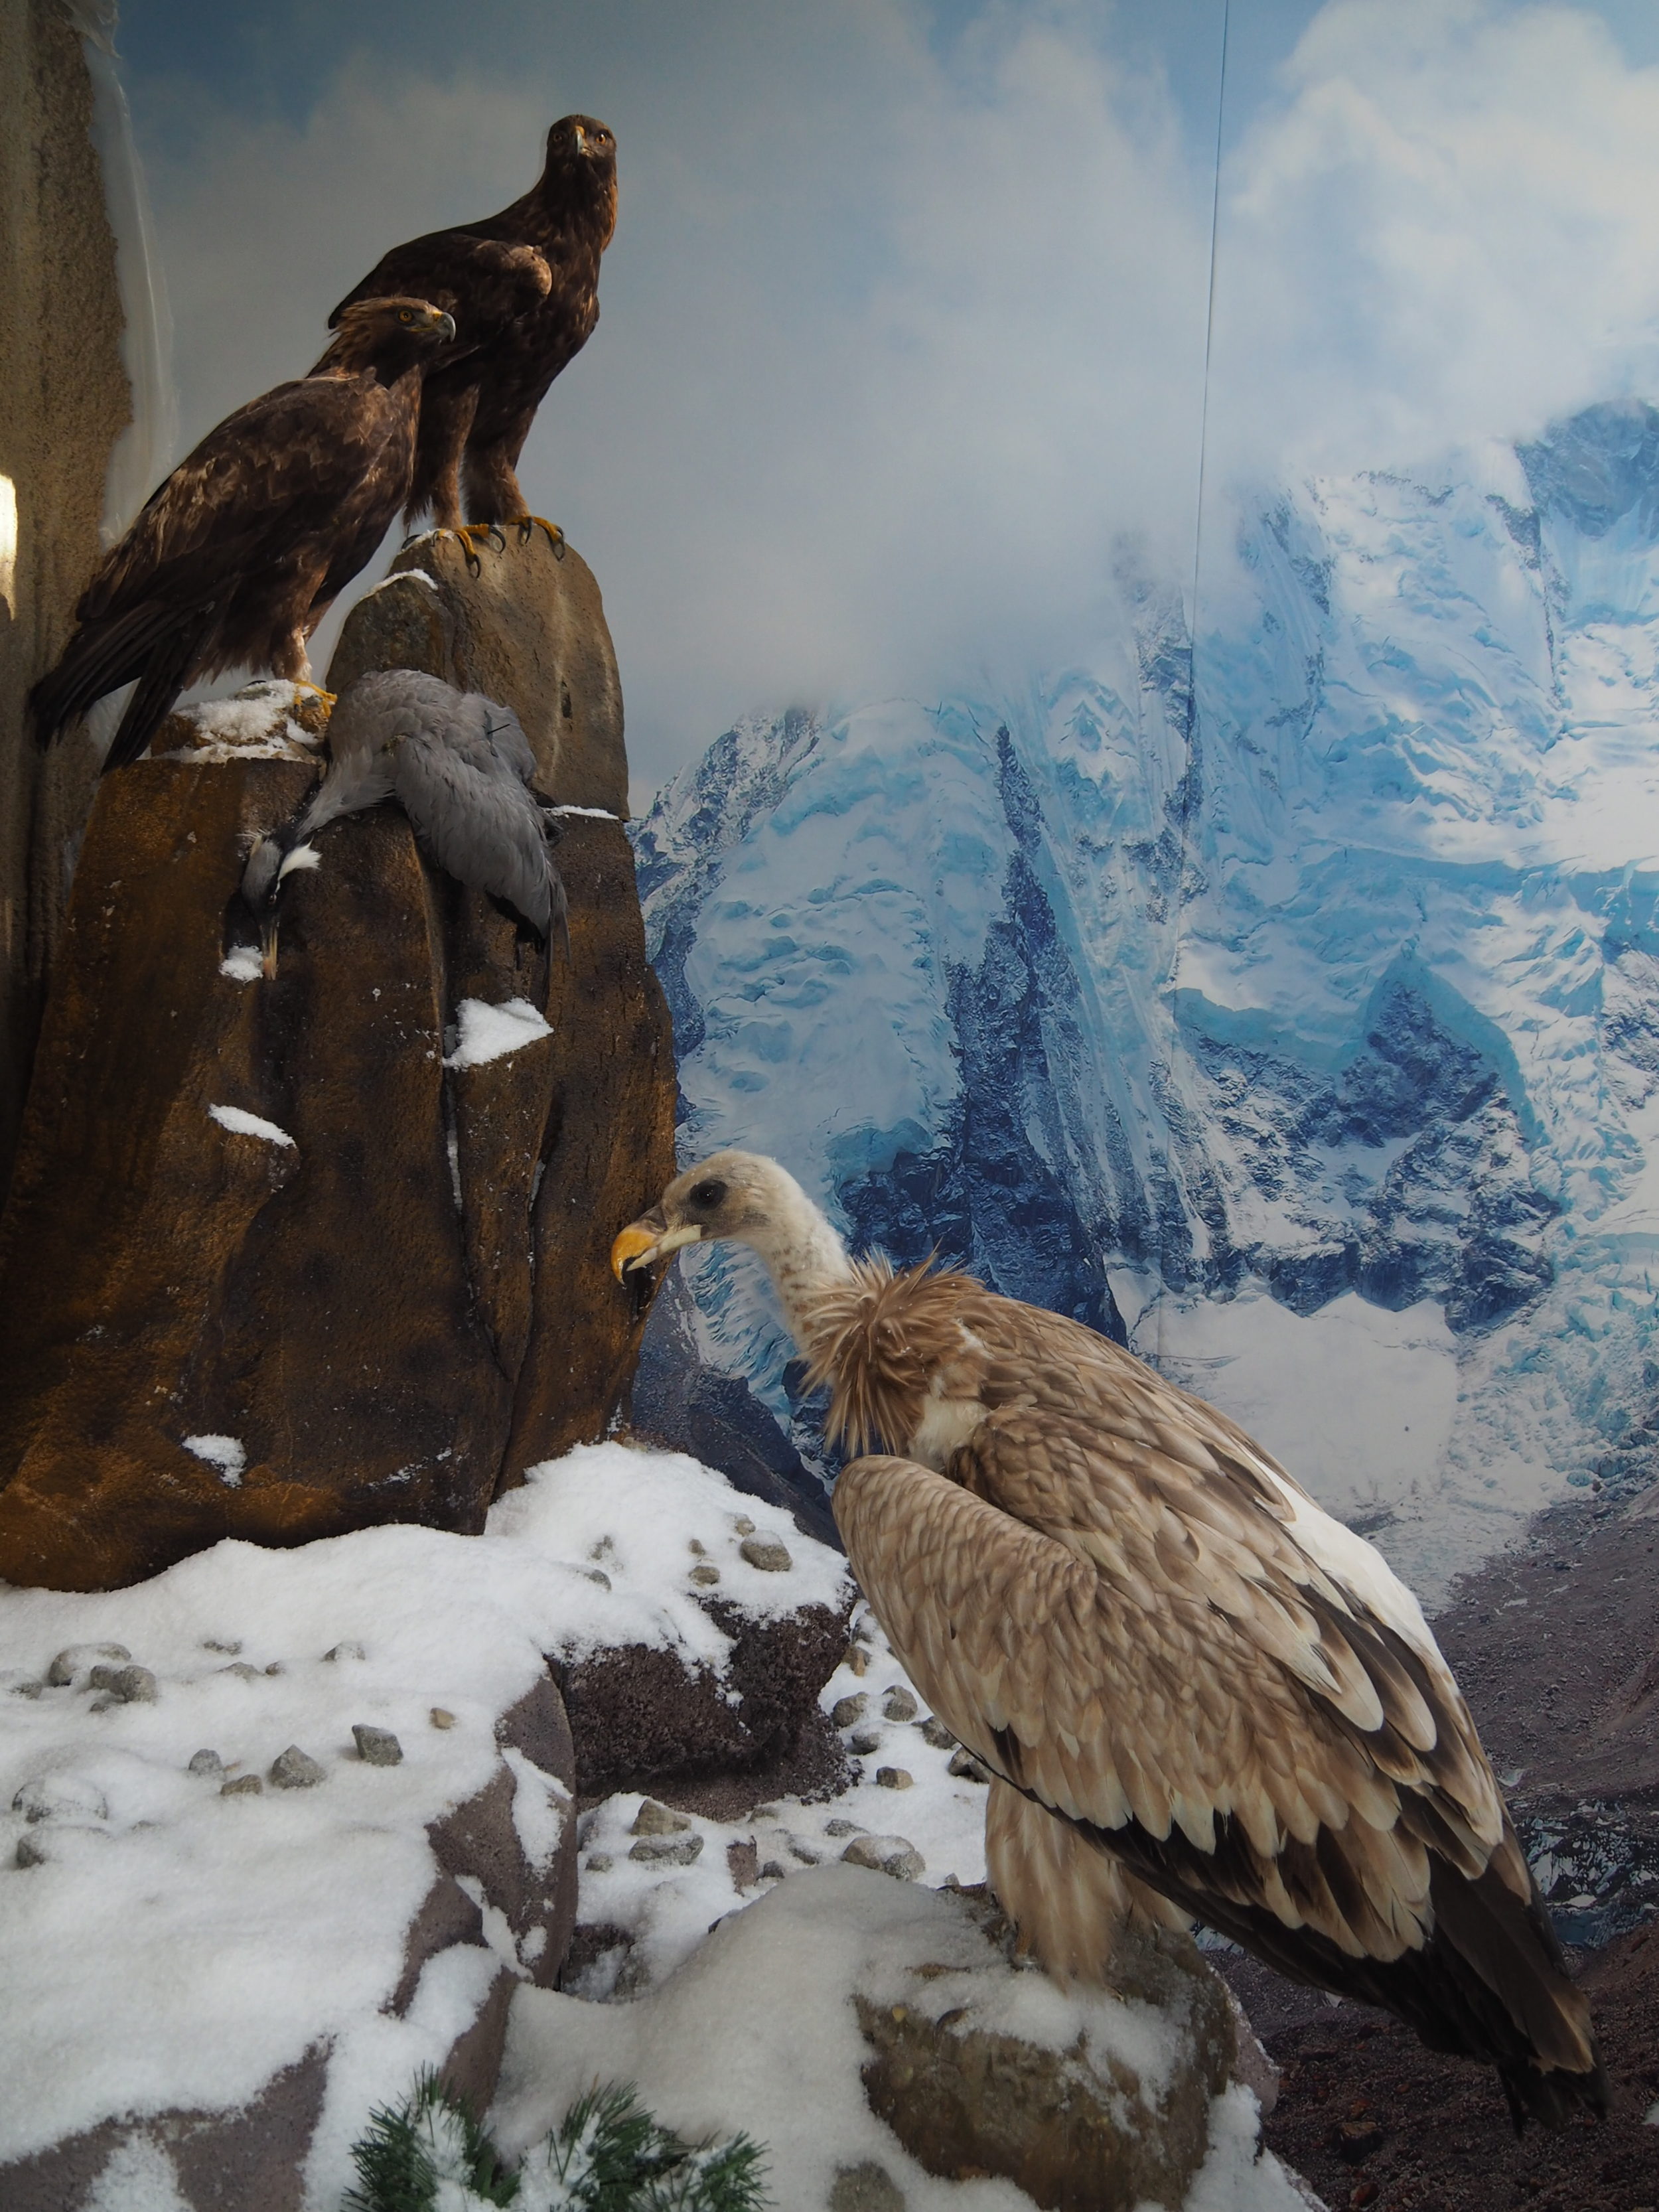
<point>483,283</point>
<point>1132,1615</point>
<point>263,480</point>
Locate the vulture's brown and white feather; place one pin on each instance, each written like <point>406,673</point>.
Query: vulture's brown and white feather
<point>1197,1692</point>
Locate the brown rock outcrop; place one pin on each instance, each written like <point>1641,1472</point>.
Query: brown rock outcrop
<point>1076,2129</point>
<point>641,1718</point>
<point>64,400</point>
<point>390,1286</point>
<point>528,630</point>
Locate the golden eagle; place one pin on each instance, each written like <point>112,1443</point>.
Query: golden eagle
<point>518,328</point>
<point>1197,1694</point>
<point>234,560</point>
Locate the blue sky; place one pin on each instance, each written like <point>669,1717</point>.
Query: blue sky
<point>905,324</point>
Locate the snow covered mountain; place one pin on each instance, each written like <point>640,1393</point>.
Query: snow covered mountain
<point>1289,1009</point>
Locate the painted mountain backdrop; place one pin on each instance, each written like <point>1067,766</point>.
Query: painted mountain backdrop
<point>1289,1010</point>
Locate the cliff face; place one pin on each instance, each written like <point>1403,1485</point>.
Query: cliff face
<point>289,1256</point>
<point>64,401</point>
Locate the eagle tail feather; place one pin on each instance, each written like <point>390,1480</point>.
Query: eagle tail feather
<point>99,658</point>
<point>163,679</point>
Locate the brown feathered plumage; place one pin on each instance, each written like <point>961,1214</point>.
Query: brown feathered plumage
<point>235,559</point>
<point>1197,1694</point>
<point>523,289</point>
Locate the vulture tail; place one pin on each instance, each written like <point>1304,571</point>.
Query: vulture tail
<point>1489,1983</point>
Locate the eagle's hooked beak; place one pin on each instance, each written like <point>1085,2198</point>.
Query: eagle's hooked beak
<point>445,326</point>
<point>581,138</point>
<point>648,1239</point>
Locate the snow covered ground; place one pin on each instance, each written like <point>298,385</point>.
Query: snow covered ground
<point>176,1934</point>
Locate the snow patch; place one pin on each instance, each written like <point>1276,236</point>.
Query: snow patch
<point>228,1454</point>
<point>244,964</point>
<point>401,576</point>
<point>250,1125</point>
<point>490,1032</point>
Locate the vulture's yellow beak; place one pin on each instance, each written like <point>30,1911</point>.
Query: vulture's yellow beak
<point>649,1239</point>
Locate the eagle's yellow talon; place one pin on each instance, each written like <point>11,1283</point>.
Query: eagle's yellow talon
<point>530,523</point>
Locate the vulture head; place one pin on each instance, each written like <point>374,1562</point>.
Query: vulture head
<point>740,1195</point>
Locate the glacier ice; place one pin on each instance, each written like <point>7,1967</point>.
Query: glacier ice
<point>1287,1006</point>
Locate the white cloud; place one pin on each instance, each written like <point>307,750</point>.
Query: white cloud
<point>897,342</point>
<point>1451,228</point>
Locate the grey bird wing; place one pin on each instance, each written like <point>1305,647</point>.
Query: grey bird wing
<point>480,825</point>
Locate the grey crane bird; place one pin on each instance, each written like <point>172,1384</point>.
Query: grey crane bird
<point>460,768</point>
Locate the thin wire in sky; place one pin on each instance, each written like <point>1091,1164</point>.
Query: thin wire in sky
<point>1190,778</point>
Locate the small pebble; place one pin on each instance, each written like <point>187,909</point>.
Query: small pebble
<point>598,1862</point>
<point>348,1647</point>
<point>764,1553</point>
<point>838,1827</point>
<point>276,1668</point>
<point>697,1550</point>
<point>892,1855</point>
<point>802,1848</point>
<point>893,1777</point>
<point>294,1768</point>
<point>230,1648</point>
<point>376,1747</point>
<point>857,1658</point>
<point>865,1741</point>
<point>744,1525</point>
<point>773,1872</point>
<point>654,1820</point>
<point>705,1576</point>
<point>241,1785</point>
<point>866,2187</point>
<point>206,1762</point>
<point>28,1689</point>
<point>899,1705</point>
<point>964,1764</point>
<point>596,1575</point>
<point>666,1851</point>
<point>33,1850</point>
<point>937,1734</point>
<point>60,1797</point>
<point>846,1711</point>
<point>127,1686</point>
<point>240,1667</point>
<point>441,1717</point>
<point>75,1657</point>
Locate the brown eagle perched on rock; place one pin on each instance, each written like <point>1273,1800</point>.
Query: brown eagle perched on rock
<point>234,560</point>
<point>523,289</point>
<point>1197,1694</point>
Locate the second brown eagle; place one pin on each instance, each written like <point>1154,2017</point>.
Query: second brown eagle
<point>523,289</point>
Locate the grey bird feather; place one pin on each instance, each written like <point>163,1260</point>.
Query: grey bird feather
<point>460,767</point>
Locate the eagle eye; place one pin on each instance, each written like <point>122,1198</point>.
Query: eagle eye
<point>405,315</point>
<point>710,1194</point>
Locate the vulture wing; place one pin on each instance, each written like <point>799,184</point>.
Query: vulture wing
<point>1132,1616</point>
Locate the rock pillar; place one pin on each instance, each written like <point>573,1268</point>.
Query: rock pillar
<point>278,1261</point>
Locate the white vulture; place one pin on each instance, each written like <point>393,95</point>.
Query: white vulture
<point>1198,1695</point>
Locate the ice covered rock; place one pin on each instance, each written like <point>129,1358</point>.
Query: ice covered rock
<point>973,2073</point>
<point>848,2023</point>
